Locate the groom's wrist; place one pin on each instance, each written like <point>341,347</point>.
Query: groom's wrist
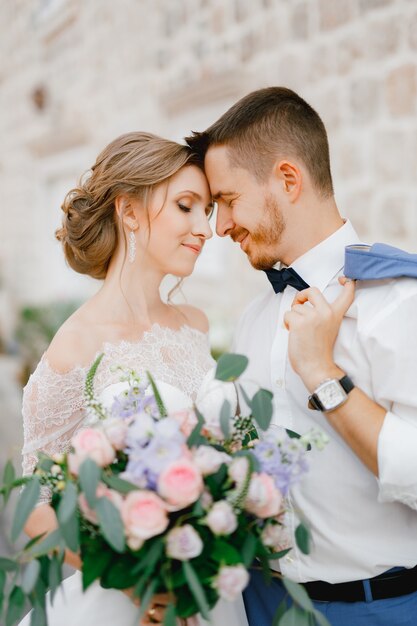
<point>313,378</point>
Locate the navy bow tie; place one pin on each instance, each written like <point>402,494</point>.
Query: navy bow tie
<point>280,279</point>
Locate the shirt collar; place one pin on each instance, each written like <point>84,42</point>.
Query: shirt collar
<point>323,262</point>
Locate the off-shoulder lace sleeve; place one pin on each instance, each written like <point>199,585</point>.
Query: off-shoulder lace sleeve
<point>52,412</point>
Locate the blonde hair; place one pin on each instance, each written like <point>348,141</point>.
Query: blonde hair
<point>133,164</point>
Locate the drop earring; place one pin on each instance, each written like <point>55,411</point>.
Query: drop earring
<point>132,247</point>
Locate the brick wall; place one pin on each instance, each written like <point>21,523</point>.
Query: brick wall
<point>74,74</point>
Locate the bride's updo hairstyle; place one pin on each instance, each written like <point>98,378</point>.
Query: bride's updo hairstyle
<point>132,165</point>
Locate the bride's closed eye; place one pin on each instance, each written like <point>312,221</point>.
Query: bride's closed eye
<point>184,207</point>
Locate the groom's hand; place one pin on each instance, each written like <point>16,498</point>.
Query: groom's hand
<point>313,326</point>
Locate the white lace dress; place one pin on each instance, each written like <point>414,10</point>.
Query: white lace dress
<point>53,410</point>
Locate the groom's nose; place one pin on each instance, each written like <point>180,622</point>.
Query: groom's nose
<point>224,221</point>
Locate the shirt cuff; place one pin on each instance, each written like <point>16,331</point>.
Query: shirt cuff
<point>397,461</point>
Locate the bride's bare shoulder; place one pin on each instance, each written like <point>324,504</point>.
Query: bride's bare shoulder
<point>75,344</point>
<point>194,317</point>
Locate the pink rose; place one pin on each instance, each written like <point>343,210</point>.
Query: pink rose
<point>186,419</point>
<point>221,518</point>
<point>144,515</point>
<point>184,543</point>
<point>238,470</point>
<point>180,483</point>
<point>209,460</point>
<point>93,444</point>
<point>116,431</point>
<point>102,491</point>
<point>264,499</point>
<point>275,536</point>
<point>231,581</point>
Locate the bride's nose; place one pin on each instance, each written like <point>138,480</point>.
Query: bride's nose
<point>201,228</point>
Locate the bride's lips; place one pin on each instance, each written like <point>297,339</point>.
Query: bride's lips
<point>194,247</point>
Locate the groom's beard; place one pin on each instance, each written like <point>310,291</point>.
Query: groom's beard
<point>263,241</point>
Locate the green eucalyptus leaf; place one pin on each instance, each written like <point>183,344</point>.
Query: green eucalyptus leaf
<point>195,438</point>
<point>111,524</point>
<point>55,575</point>
<point>225,418</point>
<point>68,505</point>
<point>230,367</point>
<point>298,594</point>
<point>292,434</point>
<point>224,552</point>
<point>118,484</point>
<point>249,549</point>
<point>94,564</point>
<point>303,538</point>
<point>146,598</point>
<point>170,617</point>
<point>25,506</point>
<point>30,576</point>
<point>279,612</point>
<point>45,462</point>
<point>15,607</point>
<point>89,476</point>
<point>295,617</point>
<point>8,565</point>
<point>38,616</point>
<point>196,589</point>
<point>262,408</point>
<point>70,532</point>
<point>160,404</point>
<point>3,578</point>
<point>9,473</point>
<point>52,540</point>
<point>278,555</point>
<point>245,396</point>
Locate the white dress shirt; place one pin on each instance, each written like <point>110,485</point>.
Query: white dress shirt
<point>361,525</point>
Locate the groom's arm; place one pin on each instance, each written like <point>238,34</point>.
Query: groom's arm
<point>385,441</point>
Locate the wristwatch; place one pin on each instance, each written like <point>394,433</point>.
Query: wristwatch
<point>330,394</point>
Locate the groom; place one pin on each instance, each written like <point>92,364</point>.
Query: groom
<point>347,368</point>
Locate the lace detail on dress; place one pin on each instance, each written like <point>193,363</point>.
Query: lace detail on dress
<point>53,403</point>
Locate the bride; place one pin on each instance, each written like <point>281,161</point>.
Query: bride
<point>141,213</point>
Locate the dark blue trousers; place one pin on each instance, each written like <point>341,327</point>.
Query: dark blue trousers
<point>262,600</point>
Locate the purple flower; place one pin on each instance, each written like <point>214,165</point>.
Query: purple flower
<point>284,460</point>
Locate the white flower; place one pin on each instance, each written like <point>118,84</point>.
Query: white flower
<point>238,470</point>
<point>141,429</point>
<point>184,543</point>
<point>221,519</point>
<point>206,500</point>
<point>231,581</point>
<point>209,460</point>
<point>168,427</point>
<point>116,431</point>
<point>210,399</point>
<point>275,536</point>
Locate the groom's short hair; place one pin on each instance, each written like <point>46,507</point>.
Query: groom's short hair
<point>266,124</point>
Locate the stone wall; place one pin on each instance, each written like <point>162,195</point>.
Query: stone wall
<point>74,74</point>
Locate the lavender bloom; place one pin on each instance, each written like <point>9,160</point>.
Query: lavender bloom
<point>161,452</point>
<point>133,401</point>
<point>284,460</point>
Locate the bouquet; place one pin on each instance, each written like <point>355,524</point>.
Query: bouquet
<point>157,499</point>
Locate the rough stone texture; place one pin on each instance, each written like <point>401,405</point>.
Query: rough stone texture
<point>83,72</point>
<point>401,90</point>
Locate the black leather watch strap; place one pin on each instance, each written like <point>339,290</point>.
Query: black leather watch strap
<point>346,383</point>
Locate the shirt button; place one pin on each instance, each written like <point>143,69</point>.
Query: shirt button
<point>280,383</point>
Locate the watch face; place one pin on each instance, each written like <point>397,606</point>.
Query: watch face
<point>331,394</point>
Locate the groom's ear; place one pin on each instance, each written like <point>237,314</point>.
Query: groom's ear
<point>125,211</point>
<point>290,179</point>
